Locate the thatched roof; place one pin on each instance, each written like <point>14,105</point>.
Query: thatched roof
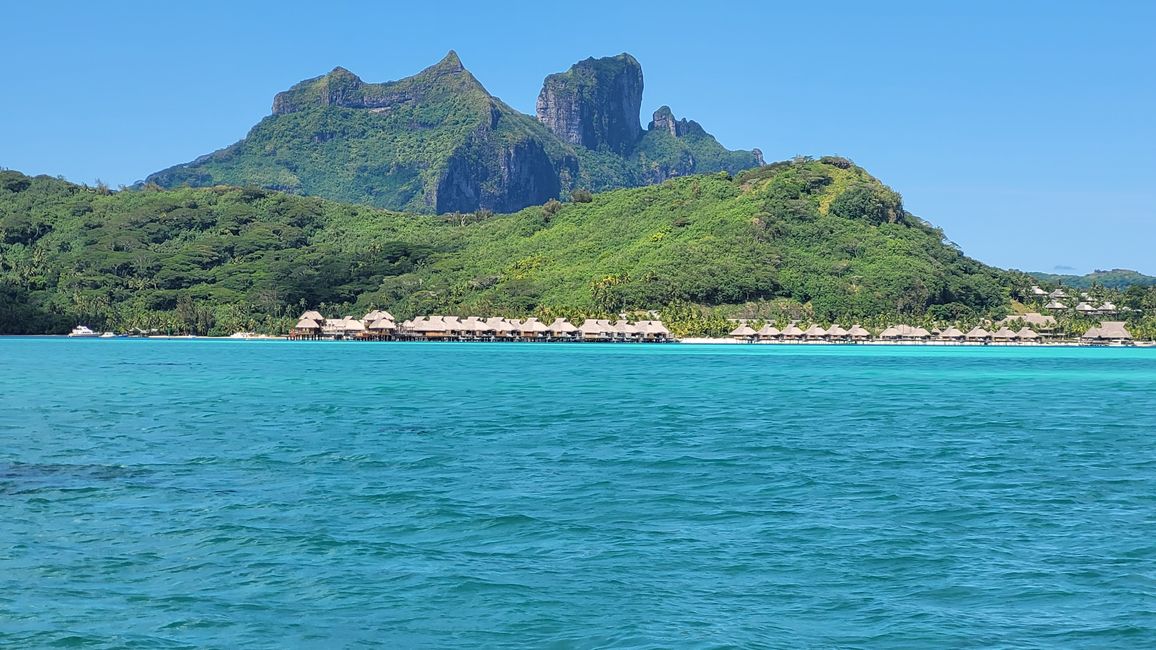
<point>313,316</point>
<point>836,331</point>
<point>743,330</point>
<point>306,324</point>
<point>769,331</point>
<point>792,330</point>
<point>1109,331</point>
<point>1058,293</point>
<point>1107,307</point>
<point>1055,304</point>
<point>430,324</point>
<point>1003,333</point>
<point>624,327</point>
<point>857,332</point>
<point>653,327</point>
<point>918,333</point>
<point>891,332</point>
<point>978,333</point>
<point>562,326</point>
<point>372,316</point>
<point>1026,334</point>
<point>816,332</point>
<point>951,333</point>
<point>1085,307</point>
<point>1036,291</point>
<point>594,326</point>
<point>382,324</point>
<point>1031,318</point>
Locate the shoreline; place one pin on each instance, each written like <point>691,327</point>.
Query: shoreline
<point>692,340</point>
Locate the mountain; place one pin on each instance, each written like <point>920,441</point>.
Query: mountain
<point>1114,279</point>
<point>822,239</point>
<point>439,142</point>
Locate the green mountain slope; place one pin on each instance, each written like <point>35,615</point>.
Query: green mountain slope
<point>823,236</point>
<point>1113,279</point>
<point>439,142</point>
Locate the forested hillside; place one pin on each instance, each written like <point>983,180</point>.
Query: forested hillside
<point>818,238</point>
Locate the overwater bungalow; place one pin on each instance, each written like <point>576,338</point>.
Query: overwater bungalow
<point>890,333</point>
<point>1027,335</point>
<point>836,333</point>
<point>744,333</point>
<point>1003,335</point>
<point>430,328</point>
<point>624,331</point>
<point>1107,332</point>
<point>951,335</point>
<point>792,332</point>
<point>978,335</point>
<point>314,316</point>
<point>561,329</point>
<point>815,333</point>
<point>593,329</point>
<point>858,333</point>
<point>381,329</point>
<point>306,329</point>
<point>769,332</point>
<point>653,330</point>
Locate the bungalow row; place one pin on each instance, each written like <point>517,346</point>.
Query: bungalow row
<point>380,325</point>
<point>474,328</point>
<point>893,334</point>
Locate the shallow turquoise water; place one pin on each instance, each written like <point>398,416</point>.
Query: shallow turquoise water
<point>272,494</point>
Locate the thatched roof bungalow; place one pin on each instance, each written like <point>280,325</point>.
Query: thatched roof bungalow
<point>792,333</point>
<point>743,332</point>
<point>1027,335</point>
<point>306,328</point>
<point>593,329</point>
<point>1003,335</point>
<point>432,327</point>
<point>978,334</point>
<point>815,333</point>
<point>835,332</point>
<point>769,332</point>
<point>624,330</point>
<point>1107,332</point>
<point>652,330</point>
<point>951,334</point>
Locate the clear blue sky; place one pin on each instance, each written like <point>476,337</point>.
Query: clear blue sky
<point>1027,130</point>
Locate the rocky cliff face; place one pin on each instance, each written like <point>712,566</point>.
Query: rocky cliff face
<point>438,141</point>
<point>595,104</point>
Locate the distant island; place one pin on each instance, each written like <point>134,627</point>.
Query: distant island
<point>1113,279</point>
<point>429,196</point>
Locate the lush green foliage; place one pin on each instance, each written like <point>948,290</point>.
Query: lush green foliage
<point>766,243</point>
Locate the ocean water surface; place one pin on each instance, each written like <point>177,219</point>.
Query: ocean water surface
<point>173,494</point>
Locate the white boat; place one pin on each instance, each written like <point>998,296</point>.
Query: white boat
<point>82,332</point>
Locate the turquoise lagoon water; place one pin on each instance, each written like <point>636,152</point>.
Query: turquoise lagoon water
<point>171,494</point>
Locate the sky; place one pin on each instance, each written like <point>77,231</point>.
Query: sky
<point>1026,130</point>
